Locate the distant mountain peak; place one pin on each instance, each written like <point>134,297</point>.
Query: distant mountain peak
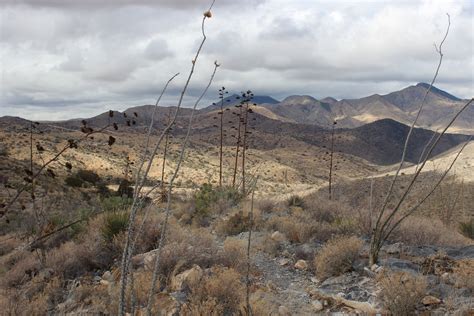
<point>299,99</point>
<point>329,100</point>
<point>437,91</point>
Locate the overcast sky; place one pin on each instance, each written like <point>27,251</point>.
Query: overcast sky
<point>76,58</point>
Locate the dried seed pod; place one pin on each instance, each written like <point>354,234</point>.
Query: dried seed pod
<point>207,14</point>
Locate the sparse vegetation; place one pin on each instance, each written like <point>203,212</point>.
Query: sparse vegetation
<point>401,292</point>
<point>337,256</point>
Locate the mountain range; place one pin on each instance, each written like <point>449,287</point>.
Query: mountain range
<point>401,106</point>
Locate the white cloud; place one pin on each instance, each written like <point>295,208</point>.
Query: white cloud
<point>63,58</point>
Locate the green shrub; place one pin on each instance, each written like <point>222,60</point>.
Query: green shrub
<point>114,223</point>
<point>74,181</point>
<point>114,203</point>
<point>206,198</point>
<point>237,223</point>
<point>467,228</point>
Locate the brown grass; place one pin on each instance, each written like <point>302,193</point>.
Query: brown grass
<point>337,256</point>
<point>221,293</point>
<point>400,292</point>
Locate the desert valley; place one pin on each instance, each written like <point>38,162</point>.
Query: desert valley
<point>248,205</point>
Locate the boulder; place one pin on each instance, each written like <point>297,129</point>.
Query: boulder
<point>283,311</point>
<point>277,236</point>
<point>317,305</point>
<point>185,279</point>
<point>430,300</point>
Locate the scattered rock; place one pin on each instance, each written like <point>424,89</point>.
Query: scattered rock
<point>317,305</point>
<point>283,311</point>
<point>301,265</point>
<point>283,261</point>
<point>104,282</point>
<point>277,236</point>
<point>305,252</point>
<point>395,248</point>
<point>107,276</point>
<point>401,265</point>
<point>430,300</point>
<point>186,278</point>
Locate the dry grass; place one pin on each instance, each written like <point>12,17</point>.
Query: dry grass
<point>235,254</point>
<point>337,256</point>
<point>400,292</point>
<point>418,231</point>
<point>221,293</point>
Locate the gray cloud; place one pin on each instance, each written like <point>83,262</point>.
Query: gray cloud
<point>83,57</point>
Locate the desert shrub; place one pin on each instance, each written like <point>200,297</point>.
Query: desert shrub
<point>3,150</point>
<point>114,223</point>
<point>186,248</point>
<point>427,231</point>
<point>235,254</point>
<point>74,181</point>
<point>467,228</point>
<point>114,203</point>
<point>88,176</point>
<point>400,292</point>
<point>125,189</point>
<point>235,224</point>
<point>301,229</point>
<point>266,206</point>
<point>207,198</point>
<point>295,200</point>
<point>337,256</point>
<point>222,292</point>
<point>464,274</point>
<point>19,268</point>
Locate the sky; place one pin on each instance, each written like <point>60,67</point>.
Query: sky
<point>63,59</point>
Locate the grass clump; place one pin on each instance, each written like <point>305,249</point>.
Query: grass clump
<point>467,228</point>
<point>114,223</point>
<point>400,292</point>
<point>337,256</point>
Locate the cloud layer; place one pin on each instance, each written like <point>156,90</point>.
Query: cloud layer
<point>65,58</point>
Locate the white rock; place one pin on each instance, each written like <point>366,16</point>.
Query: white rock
<point>283,261</point>
<point>277,236</point>
<point>283,311</point>
<point>430,300</point>
<point>317,305</point>
<point>301,265</point>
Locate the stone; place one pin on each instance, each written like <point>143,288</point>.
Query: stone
<point>395,248</point>
<point>191,276</point>
<point>317,305</point>
<point>107,276</point>
<point>283,261</point>
<point>430,300</point>
<point>277,236</point>
<point>168,305</point>
<point>283,311</point>
<point>104,282</point>
<point>301,265</point>
<point>305,252</point>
